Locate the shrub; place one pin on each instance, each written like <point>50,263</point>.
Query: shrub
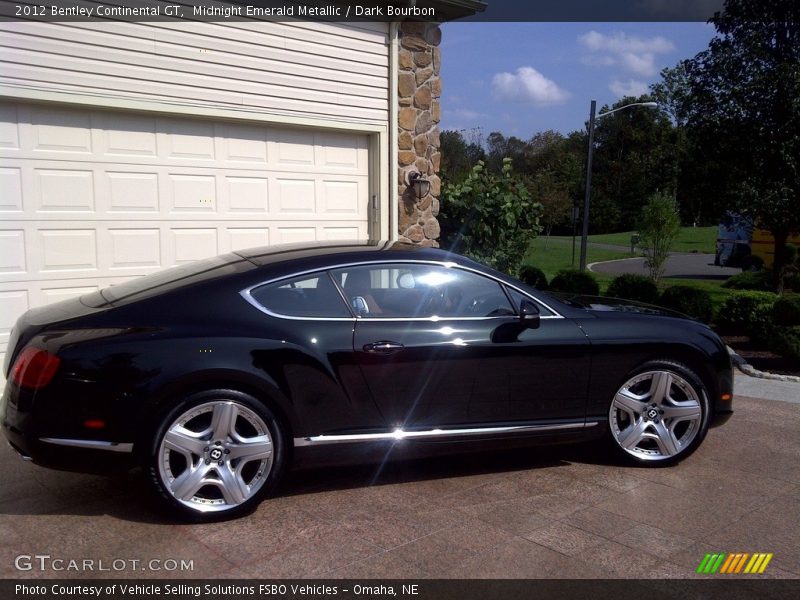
<point>689,301</point>
<point>633,287</point>
<point>533,276</point>
<point>787,310</point>
<point>576,282</point>
<point>785,341</point>
<point>748,312</point>
<point>751,280</point>
<point>792,282</point>
<point>490,217</point>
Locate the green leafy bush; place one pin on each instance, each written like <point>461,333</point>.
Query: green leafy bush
<point>575,282</point>
<point>751,280</point>
<point>533,276</point>
<point>633,287</point>
<point>689,301</point>
<point>792,282</point>
<point>748,312</point>
<point>787,310</point>
<point>785,341</point>
<point>490,217</point>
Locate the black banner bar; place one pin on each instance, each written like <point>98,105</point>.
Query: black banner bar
<point>360,10</point>
<point>722,588</point>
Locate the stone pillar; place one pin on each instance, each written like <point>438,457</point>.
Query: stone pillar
<point>419,89</point>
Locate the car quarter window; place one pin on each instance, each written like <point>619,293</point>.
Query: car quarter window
<point>305,296</point>
<point>518,297</point>
<point>421,291</point>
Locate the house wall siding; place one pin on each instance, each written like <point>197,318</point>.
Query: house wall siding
<point>334,72</point>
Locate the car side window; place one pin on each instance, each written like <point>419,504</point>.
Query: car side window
<point>421,291</point>
<point>306,296</point>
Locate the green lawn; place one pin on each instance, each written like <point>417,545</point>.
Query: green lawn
<point>699,239</point>
<point>558,255</point>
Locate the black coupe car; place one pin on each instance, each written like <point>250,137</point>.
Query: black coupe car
<point>215,374</point>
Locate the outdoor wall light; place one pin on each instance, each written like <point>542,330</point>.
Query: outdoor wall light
<point>421,185</point>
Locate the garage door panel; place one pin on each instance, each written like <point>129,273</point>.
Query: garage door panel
<point>132,191</point>
<point>9,129</point>
<point>13,302</point>
<point>60,131</point>
<point>90,198</point>
<point>127,136</point>
<point>10,189</point>
<point>241,238</point>
<point>131,248</point>
<point>12,252</point>
<point>67,250</point>
<point>64,190</point>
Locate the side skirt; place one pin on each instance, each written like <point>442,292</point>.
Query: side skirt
<point>441,433</point>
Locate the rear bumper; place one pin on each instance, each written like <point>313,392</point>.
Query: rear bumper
<point>58,452</point>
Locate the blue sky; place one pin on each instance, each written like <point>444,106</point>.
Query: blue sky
<point>521,78</point>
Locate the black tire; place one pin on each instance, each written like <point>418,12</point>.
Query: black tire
<point>686,393</point>
<point>232,485</point>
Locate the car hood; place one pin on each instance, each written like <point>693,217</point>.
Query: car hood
<point>601,305</point>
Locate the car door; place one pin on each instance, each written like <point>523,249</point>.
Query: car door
<point>443,345</point>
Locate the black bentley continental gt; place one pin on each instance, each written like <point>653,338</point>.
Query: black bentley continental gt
<point>214,375</point>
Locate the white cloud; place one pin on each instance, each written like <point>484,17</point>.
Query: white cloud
<point>631,87</point>
<point>527,86</point>
<point>464,113</point>
<point>595,60</point>
<point>634,54</point>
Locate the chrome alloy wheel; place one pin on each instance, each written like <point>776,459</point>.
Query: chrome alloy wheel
<point>655,415</point>
<point>215,456</point>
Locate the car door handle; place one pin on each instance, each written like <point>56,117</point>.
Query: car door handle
<point>383,347</point>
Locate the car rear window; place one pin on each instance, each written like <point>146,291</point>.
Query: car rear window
<point>171,278</point>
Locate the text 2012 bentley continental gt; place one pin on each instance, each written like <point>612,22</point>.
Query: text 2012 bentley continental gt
<point>214,374</point>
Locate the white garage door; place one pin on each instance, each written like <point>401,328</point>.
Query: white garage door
<point>91,198</point>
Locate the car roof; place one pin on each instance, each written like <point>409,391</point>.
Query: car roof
<point>367,250</point>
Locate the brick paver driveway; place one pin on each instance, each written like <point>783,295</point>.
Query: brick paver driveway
<point>557,512</point>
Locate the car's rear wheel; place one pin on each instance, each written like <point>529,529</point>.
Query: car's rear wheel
<point>216,454</point>
<point>660,414</point>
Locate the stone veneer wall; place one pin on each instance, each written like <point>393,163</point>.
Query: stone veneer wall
<point>419,90</point>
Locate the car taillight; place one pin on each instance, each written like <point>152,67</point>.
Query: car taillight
<point>34,368</point>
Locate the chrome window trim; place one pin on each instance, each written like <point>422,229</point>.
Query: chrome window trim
<point>92,444</point>
<point>247,293</point>
<point>400,434</point>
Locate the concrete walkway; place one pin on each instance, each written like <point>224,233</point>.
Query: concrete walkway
<point>766,389</point>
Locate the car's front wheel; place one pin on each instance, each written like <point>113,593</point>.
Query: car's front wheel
<point>216,454</point>
<point>660,414</point>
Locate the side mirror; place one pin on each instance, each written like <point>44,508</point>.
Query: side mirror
<point>529,314</point>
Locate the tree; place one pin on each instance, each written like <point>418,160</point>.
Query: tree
<point>659,225</point>
<point>555,201</point>
<point>636,154</point>
<point>500,148</point>
<point>490,217</point>
<point>461,150</point>
<point>744,112</point>
<point>673,93</point>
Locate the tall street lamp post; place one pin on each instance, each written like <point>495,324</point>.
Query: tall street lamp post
<point>587,197</point>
